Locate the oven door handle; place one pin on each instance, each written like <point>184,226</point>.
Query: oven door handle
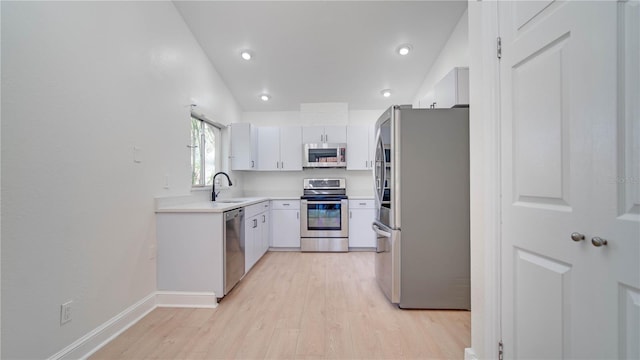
<point>334,202</point>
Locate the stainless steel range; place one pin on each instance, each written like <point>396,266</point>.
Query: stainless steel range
<point>324,220</point>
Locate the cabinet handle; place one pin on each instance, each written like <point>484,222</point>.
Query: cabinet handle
<point>350,215</point>
<point>264,218</point>
<point>363,204</point>
<point>286,204</point>
<point>255,223</point>
<point>297,215</point>
<point>253,163</point>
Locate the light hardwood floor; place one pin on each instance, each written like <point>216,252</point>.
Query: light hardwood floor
<point>298,305</point>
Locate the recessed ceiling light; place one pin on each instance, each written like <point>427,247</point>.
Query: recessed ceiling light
<point>386,92</point>
<point>404,49</point>
<point>246,54</point>
<point>265,97</point>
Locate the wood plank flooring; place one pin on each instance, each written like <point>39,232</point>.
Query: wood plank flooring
<point>298,306</point>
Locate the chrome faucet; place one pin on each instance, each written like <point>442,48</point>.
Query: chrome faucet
<point>213,189</point>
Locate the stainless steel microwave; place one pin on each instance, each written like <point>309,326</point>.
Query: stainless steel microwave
<point>324,155</point>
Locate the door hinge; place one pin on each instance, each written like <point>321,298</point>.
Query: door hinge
<point>499,47</point>
<point>500,351</point>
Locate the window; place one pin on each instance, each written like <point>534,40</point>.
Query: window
<point>205,151</point>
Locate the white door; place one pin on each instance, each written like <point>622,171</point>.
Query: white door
<point>358,140</point>
<point>570,133</point>
<point>285,228</point>
<point>335,134</point>
<point>269,147</point>
<point>291,148</point>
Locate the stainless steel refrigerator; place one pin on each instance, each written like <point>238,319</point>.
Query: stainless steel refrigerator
<point>421,181</point>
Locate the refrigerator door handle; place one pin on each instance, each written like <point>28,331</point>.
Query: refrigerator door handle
<point>379,231</point>
<point>381,243</point>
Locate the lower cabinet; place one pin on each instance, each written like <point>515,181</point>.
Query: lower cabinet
<point>256,233</point>
<point>285,223</point>
<point>190,255</point>
<point>361,216</point>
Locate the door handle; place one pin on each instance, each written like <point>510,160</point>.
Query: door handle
<point>598,241</point>
<point>379,231</point>
<point>577,236</point>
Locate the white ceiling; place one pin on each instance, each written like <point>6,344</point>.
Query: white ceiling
<point>321,51</point>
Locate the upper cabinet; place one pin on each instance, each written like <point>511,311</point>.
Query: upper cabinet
<point>360,147</point>
<point>244,147</point>
<point>280,148</point>
<point>453,89</point>
<point>324,134</point>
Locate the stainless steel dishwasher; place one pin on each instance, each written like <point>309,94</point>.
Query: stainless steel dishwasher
<point>233,248</point>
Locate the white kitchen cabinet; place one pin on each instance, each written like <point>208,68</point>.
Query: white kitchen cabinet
<point>244,146</point>
<point>265,228</point>
<point>285,223</point>
<point>361,216</point>
<point>453,89</point>
<point>280,148</point>
<point>190,254</point>
<point>256,233</point>
<point>324,134</point>
<point>360,147</point>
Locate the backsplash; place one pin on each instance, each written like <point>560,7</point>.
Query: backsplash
<point>289,183</point>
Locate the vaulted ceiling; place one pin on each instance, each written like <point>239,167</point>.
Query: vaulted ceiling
<point>321,51</point>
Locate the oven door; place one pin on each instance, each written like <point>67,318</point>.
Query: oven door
<point>324,219</point>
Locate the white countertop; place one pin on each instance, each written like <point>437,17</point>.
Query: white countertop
<point>222,205</point>
<point>210,206</point>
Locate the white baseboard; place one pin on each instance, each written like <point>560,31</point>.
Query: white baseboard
<point>94,340</point>
<point>103,334</point>
<point>186,299</point>
<point>469,354</point>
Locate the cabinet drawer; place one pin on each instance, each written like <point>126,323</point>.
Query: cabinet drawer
<point>361,204</point>
<point>255,209</point>
<point>285,204</point>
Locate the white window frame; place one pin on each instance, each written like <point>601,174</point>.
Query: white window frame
<point>217,128</point>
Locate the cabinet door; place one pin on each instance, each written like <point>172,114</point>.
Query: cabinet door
<point>358,150</point>
<point>269,148</point>
<point>335,134</point>
<point>453,89</point>
<point>285,228</point>
<point>243,146</point>
<point>250,236</point>
<point>265,232</point>
<point>360,232</point>
<point>291,148</point>
<point>312,134</point>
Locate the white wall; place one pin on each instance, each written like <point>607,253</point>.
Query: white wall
<point>82,84</point>
<point>455,53</point>
<point>289,183</point>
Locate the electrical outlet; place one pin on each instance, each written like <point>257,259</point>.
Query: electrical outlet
<point>65,312</point>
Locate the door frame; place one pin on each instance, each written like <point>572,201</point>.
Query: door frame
<point>485,208</point>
